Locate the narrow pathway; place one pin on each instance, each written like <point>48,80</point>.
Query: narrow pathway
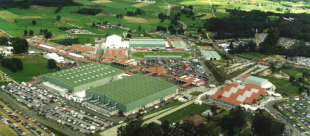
<point>212,9</point>
<point>168,10</point>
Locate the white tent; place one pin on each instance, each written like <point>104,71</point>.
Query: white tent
<point>115,42</point>
<point>55,57</point>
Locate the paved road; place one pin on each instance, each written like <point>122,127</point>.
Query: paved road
<point>168,10</point>
<point>184,25</point>
<point>32,114</point>
<point>273,112</point>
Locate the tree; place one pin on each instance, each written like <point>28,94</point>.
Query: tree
<point>300,89</point>
<point>128,35</point>
<point>236,115</point>
<point>31,32</point>
<point>231,48</point>
<point>51,64</point>
<point>58,17</point>
<point>41,31</point>
<point>93,25</point>
<point>33,22</point>
<point>132,128</point>
<point>48,34</point>
<point>292,78</point>
<point>139,28</point>
<point>3,41</point>
<point>19,45</point>
<point>25,32</point>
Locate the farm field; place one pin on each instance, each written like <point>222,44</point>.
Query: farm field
<point>33,66</point>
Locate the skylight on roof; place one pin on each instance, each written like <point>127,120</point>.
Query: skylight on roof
<point>80,80</point>
<point>84,79</point>
<point>88,78</point>
<point>81,74</point>
<point>68,78</point>
<point>105,73</point>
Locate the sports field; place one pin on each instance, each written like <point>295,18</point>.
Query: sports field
<point>33,66</point>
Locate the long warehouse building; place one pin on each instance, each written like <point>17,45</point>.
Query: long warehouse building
<point>83,77</point>
<point>132,93</point>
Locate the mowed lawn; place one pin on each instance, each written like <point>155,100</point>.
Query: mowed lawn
<point>161,53</point>
<point>186,112</point>
<point>296,73</point>
<point>33,66</point>
<point>5,130</point>
<point>252,55</point>
<point>283,87</point>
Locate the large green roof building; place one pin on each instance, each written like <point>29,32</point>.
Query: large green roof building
<point>83,77</point>
<point>147,43</point>
<point>133,92</point>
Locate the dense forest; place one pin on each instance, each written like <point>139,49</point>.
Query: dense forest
<point>245,24</point>
<point>26,3</point>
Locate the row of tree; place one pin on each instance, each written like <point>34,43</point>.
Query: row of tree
<point>13,64</point>
<point>67,42</point>
<point>89,11</point>
<point>58,8</point>
<point>137,12</point>
<point>30,32</point>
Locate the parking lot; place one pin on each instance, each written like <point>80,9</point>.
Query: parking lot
<point>296,112</point>
<point>77,120</point>
<point>21,123</point>
<point>30,96</point>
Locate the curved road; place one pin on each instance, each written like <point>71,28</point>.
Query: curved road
<point>184,25</point>
<point>32,114</point>
<point>273,112</point>
<point>168,10</point>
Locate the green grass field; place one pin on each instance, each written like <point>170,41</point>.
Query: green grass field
<point>252,55</point>
<point>172,104</point>
<point>141,54</point>
<point>284,87</point>
<point>186,112</point>
<point>33,66</point>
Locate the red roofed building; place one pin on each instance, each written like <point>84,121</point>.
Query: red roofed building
<point>206,48</point>
<point>115,53</point>
<point>234,94</point>
<point>263,63</point>
<point>245,76</point>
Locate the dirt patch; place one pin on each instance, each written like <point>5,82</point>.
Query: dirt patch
<point>96,6</point>
<point>10,20</point>
<point>175,8</point>
<point>279,76</point>
<point>72,12</point>
<point>265,73</point>
<point>135,19</point>
<point>102,14</point>
<point>41,7</point>
<point>26,17</point>
<point>69,19</point>
<point>207,16</point>
<point>141,4</point>
<point>101,1</point>
<point>221,10</point>
<point>3,35</point>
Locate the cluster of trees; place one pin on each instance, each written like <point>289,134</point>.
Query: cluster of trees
<point>89,11</point>
<point>13,64</point>
<point>31,32</point>
<point>19,45</point>
<point>135,127</point>
<point>26,3</point>
<point>244,24</point>
<point>241,48</point>
<point>14,4</point>
<point>58,17</point>
<point>58,8</point>
<point>51,64</point>
<point>119,15</point>
<point>172,29</point>
<point>162,17</point>
<point>264,125</point>
<point>137,12</point>
<point>64,28</point>
<point>67,42</point>
<point>47,34</point>
<point>4,41</point>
